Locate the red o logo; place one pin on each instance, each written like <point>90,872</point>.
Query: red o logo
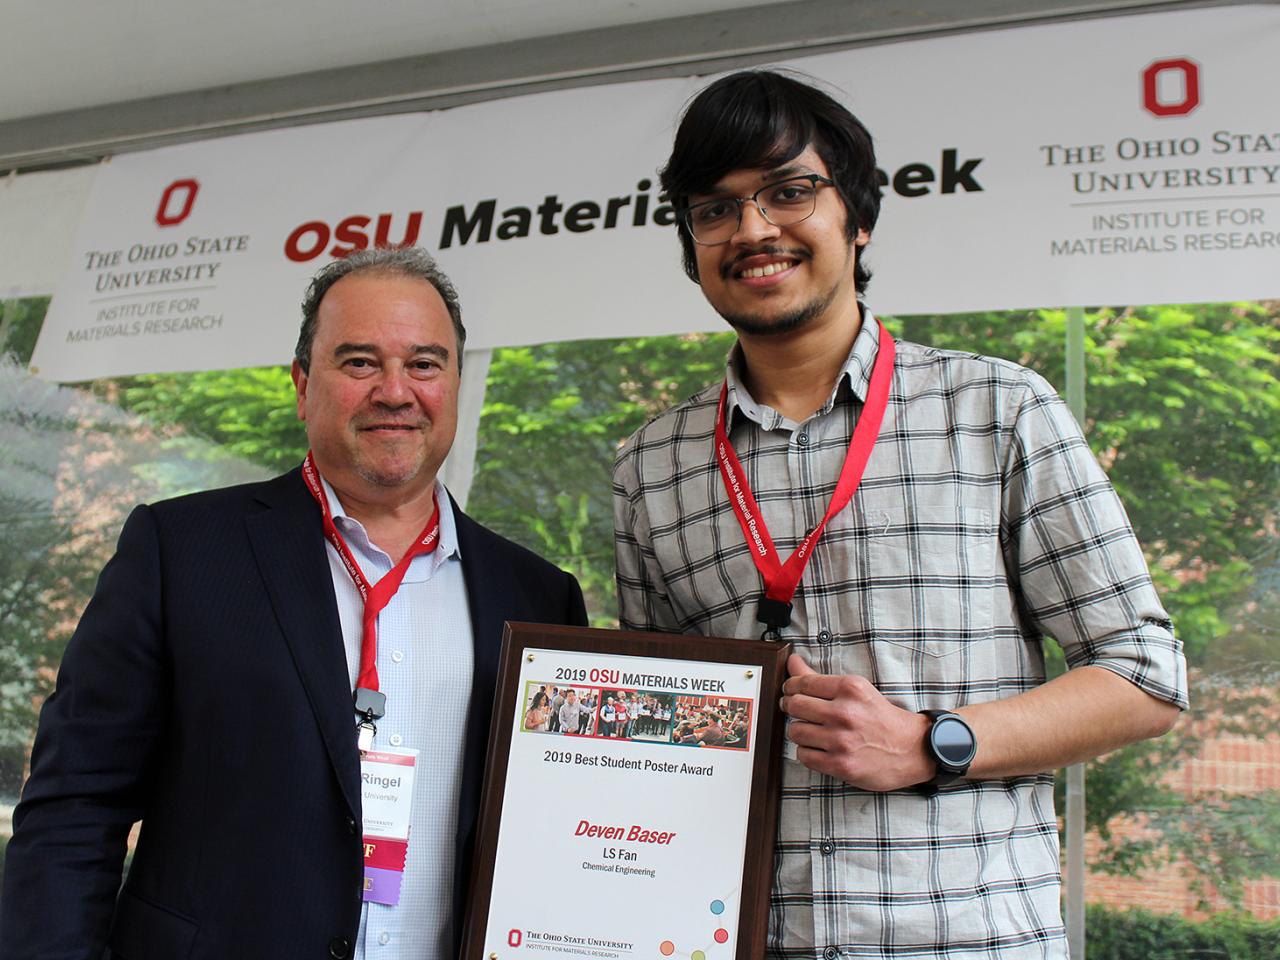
<point>514,938</point>
<point>164,215</point>
<point>319,233</point>
<point>1182,72</point>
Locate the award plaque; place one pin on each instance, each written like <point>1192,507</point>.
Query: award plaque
<point>630,799</point>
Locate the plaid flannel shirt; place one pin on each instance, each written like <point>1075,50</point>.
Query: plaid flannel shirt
<point>982,523</point>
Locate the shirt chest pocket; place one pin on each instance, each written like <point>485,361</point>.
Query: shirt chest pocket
<point>932,574</point>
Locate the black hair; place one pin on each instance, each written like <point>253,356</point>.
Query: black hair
<point>761,118</point>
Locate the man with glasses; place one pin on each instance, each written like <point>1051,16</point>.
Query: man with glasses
<point>914,521</point>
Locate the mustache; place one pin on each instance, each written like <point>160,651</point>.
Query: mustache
<point>726,270</point>
<point>408,423</point>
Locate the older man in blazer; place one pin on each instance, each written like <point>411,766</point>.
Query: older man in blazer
<point>208,691</point>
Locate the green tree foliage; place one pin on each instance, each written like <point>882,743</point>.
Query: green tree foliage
<point>46,566</point>
<point>552,422</point>
<point>1142,935</point>
<point>20,322</point>
<point>248,413</point>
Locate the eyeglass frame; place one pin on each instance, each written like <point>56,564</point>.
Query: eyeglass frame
<point>686,213</point>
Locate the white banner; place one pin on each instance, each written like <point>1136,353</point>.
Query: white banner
<point>1120,160</point>
<point>38,213</point>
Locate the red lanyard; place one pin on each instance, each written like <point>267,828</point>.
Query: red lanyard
<point>377,596</point>
<point>782,579</point>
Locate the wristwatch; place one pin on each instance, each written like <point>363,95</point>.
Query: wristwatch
<point>952,746</point>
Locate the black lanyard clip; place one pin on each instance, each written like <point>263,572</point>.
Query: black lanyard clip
<point>774,614</point>
<point>370,704</point>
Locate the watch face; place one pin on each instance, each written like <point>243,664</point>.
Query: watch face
<point>953,742</point>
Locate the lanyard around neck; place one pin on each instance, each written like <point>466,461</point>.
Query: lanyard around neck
<point>375,596</point>
<point>782,579</point>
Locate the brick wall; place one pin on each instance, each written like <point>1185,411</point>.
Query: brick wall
<point>1232,764</point>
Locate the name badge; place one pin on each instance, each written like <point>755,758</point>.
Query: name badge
<point>386,795</point>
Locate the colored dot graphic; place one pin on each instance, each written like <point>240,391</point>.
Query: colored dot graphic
<point>667,947</point>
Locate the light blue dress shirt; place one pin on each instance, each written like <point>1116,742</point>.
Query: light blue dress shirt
<point>425,661</point>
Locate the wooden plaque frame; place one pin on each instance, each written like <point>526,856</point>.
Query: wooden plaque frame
<point>762,814</point>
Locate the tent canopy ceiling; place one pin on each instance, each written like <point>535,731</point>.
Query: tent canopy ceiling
<point>86,80</point>
<point>88,55</point>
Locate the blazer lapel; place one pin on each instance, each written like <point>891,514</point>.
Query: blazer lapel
<point>288,543</point>
<point>486,640</point>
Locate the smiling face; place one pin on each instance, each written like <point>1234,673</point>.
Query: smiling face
<point>771,280</point>
<point>381,398</point>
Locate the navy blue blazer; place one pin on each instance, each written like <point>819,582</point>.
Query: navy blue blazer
<point>205,693</point>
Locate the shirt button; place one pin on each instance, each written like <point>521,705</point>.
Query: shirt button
<point>830,953</point>
<point>396,656</point>
<point>827,848</point>
<point>803,439</point>
<point>824,636</point>
<point>339,949</point>
<point>396,739</point>
<point>351,824</point>
<point>384,938</point>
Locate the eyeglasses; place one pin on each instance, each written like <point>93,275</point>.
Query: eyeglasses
<point>786,202</point>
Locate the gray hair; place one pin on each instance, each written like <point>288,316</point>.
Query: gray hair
<point>411,262</point>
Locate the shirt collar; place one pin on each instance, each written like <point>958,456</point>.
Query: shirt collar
<point>354,533</point>
<point>856,371</point>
